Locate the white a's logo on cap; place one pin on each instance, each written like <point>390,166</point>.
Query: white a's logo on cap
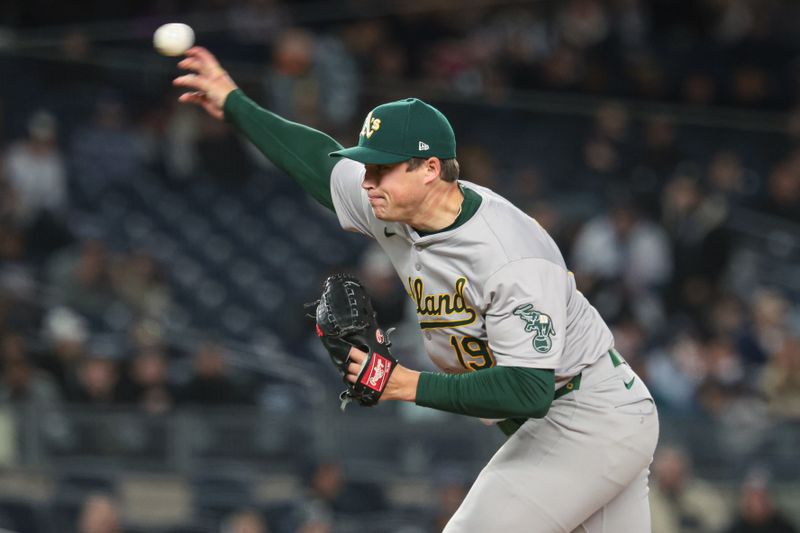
<point>423,146</point>
<point>371,125</point>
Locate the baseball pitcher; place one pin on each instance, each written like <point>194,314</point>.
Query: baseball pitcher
<point>517,344</point>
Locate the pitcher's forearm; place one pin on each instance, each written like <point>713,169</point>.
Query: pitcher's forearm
<point>499,392</point>
<point>298,150</point>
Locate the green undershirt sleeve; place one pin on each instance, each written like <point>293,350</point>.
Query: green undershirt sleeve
<point>497,392</point>
<point>298,150</point>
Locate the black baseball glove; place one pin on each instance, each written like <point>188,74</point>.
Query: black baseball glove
<point>345,318</point>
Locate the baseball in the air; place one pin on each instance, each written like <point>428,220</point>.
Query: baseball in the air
<point>173,39</point>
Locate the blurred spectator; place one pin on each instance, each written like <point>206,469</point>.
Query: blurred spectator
<point>65,333</point>
<point>292,62</point>
<point>699,88</point>
<point>726,317</point>
<point>312,79</point>
<point>782,195</point>
<point>8,198</point>
<point>35,169</point>
<point>98,381</point>
<point>245,521</point>
<point>680,502</point>
<point>365,37</point>
<point>722,361</point>
<point>729,179</point>
<point>17,276</point>
<point>757,512</point>
<point>766,329</point>
<point>146,383</point>
<point>601,165</point>
<point>780,381</point>
<point>139,281</point>
<point>181,157</point>
<point>330,493</point>
<point>699,242</point>
<point>197,144</point>
<point>256,22</point>
<point>389,63</point>
<point>751,86</point>
<point>621,245</point>
<point>657,159</point>
<point>623,261</point>
<point>20,381</point>
<point>563,69</point>
<point>81,277</point>
<point>23,386</point>
<point>211,385</point>
<point>315,512</point>
<point>612,122</point>
<point>326,484</point>
<point>739,416</point>
<point>676,371</point>
<point>648,78</point>
<point>451,488</point>
<point>604,153</point>
<point>582,23</point>
<point>108,149</point>
<point>99,514</point>
<point>145,334</point>
<point>477,165</point>
<point>529,185</point>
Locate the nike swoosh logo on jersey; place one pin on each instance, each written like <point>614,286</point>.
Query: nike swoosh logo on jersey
<point>388,233</point>
<point>629,384</point>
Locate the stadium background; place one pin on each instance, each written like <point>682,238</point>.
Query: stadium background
<point>156,370</point>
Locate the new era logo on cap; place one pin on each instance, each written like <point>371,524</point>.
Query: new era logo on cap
<point>423,146</point>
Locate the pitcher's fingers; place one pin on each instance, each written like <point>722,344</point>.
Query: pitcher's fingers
<point>206,58</point>
<point>194,97</point>
<point>194,50</point>
<point>357,355</point>
<point>193,81</point>
<point>190,63</point>
<point>202,68</point>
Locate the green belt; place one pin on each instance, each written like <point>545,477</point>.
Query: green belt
<point>573,384</point>
<point>510,425</point>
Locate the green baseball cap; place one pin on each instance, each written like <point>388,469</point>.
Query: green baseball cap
<point>397,131</point>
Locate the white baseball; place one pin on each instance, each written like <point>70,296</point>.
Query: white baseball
<point>173,39</point>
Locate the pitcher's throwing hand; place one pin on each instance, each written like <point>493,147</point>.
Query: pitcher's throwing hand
<point>209,82</point>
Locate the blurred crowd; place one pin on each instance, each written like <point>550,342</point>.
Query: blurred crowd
<point>646,209</point>
<point>680,503</point>
<point>327,493</point>
<point>732,52</point>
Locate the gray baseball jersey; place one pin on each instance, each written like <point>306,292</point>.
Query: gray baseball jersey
<point>494,290</point>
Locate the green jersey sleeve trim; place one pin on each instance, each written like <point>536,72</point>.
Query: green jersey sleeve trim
<point>497,392</point>
<point>298,150</point>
